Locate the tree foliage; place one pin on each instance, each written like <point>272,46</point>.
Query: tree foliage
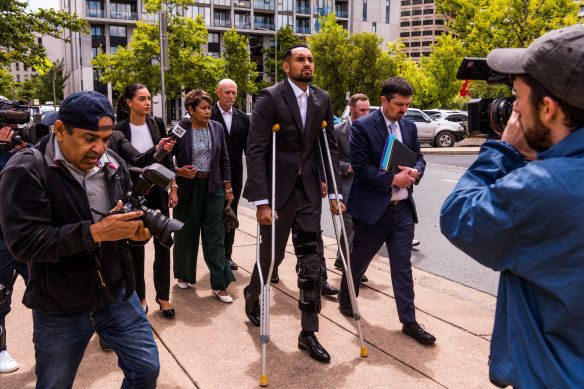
<point>238,66</point>
<point>6,84</point>
<point>286,38</point>
<point>19,30</point>
<point>41,86</point>
<point>139,61</point>
<point>484,25</point>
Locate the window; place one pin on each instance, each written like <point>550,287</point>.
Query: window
<point>18,78</point>
<point>264,21</point>
<point>404,34</point>
<point>374,28</point>
<point>416,33</point>
<point>213,46</point>
<point>286,5</point>
<point>364,10</point>
<point>114,50</point>
<point>17,65</point>
<point>416,2</point>
<point>416,22</point>
<point>264,4</point>
<point>221,18</point>
<point>428,1</point>
<point>426,43</point>
<point>406,2</point>
<point>205,12</point>
<point>438,32</point>
<point>97,30</point>
<point>427,32</point>
<point>213,37</point>
<point>405,13</point>
<point>387,12</point>
<point>415,44</point>
<point>440,22</point>
<point>426,53</point>
<point>416,12</point>
<point>415,55</point>
<point>429,11</point>
<point>285,20</point>
<point>126,11</point>
<point>428,22</point>
<point>407,44</point>
<point>404,24</point>
<point>118,31</point>
<point>94,9</point>
<point>241,20</point>
<point>95,51</point>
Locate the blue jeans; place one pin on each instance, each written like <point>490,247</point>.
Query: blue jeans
<point>7,266</point>
<point>60,342</point>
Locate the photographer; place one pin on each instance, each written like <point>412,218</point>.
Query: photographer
<point>7,262</point>
<point>51,205</point>
<point>526,219</point>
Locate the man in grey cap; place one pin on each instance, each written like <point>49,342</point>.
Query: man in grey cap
<point>519,209</point>
<point>80,275</point>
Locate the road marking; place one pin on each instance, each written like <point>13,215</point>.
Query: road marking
<point>450,180</point>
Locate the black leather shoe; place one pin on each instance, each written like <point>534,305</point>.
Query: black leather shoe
<point>315,350</point>
<point>339,264</point>
<point>232,264</point>
<point>364,278</point>
<point>345,306</point>
<point>274,279</point>
<point>328,290</point>
<point>416,331</point>
<point>252,311</point>
<point>166,312</point>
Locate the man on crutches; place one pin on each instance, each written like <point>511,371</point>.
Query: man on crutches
<point>298,108</point>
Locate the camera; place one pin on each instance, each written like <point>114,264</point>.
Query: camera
<point>14,112</point>
<point>159,225</point>
<point>486,116</point>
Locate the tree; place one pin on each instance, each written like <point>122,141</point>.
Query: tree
<point>19,30</point>
<point>286,38</point>
<point>238,66</point>
<point>41,86</point>
<point>484,25</point>
<point>139,61</point>
<point>6,84</point>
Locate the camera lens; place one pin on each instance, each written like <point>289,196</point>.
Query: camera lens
<point>160,226</point>
<point>499,113</point>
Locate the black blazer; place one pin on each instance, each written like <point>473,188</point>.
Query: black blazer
<point>183,151</point>
<point>236,142</point>
<point>371,190</point>
<point>122,146</point>
<point>156,134</point>
<point>295,146</point>
<point>342,133</point>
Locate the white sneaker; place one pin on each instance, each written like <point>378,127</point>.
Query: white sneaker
<point>183,285</point>
<point>224,299</point>
<point>7,364</point>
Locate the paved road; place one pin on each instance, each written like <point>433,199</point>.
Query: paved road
<point>435,254</point>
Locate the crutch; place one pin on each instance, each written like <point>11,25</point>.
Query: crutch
<point>347,262</point>
<point>265,286</point>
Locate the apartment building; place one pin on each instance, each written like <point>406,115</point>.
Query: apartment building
<point>419,27</point>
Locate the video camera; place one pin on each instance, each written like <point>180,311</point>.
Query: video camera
<point>159,225</point>
<point>486,116</point>
<point>14,112</point>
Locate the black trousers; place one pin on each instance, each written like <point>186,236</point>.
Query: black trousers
<point>299,215</point>
<point>161,265</point>
<point>230,236</point>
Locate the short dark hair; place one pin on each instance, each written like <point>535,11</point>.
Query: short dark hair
<point>357,97</point>
<point>288,51</point>
<point>194,98</point>
<point>573,116</point>
<point>398,85</point>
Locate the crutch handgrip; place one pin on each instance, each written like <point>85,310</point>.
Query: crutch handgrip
<point>323,124</point>
<point>276,127</point>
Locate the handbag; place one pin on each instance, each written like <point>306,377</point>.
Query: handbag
<point>230,221</point>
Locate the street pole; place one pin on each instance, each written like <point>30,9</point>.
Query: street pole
<point>163,59</point>
<point>54,93</point>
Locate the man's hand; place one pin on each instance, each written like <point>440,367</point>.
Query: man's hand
<point>351,169</point>
<point>6,133</point>
<point>187,171</point>
<point>119,226</point>
<point>166,144</point>
<point>264,214</point>
<point>335,207</point>
<point>323,191</point>
<point>513,134</point>
<point>403,179</point>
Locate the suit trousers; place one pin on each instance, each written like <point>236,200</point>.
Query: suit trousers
<point>230,236</point>
<point>396,230</point>
<point>299,215</point>
<point>348,220</point>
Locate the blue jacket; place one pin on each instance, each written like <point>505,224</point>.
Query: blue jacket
<point>526,221</point>
<point>371,189</point>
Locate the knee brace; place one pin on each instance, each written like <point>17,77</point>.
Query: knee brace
<point>305,244</point>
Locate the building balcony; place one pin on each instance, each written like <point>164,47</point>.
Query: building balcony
<point>341,13</point>
<point>243,25</point>
<point>264,26</point>
<point>124,15</point>
<point>226,3</point>
<point>242,3</point>
<point>95,13</point>
<point>265,5</point>
<point>303,10</point>
<point>222,23</point>
<point>303,30</point>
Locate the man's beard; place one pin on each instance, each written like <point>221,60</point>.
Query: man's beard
<point>538,136</point>
<point>302,78</point>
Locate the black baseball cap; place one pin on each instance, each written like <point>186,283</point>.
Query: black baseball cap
<point>555,60</point>
<point>84,109</point>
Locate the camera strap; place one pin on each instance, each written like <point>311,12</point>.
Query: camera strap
<point>128,269</point>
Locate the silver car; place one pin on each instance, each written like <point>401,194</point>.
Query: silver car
<point>439,133</point>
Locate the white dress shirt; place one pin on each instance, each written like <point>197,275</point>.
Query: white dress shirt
<point>227,117</point>
<point>396,193</point>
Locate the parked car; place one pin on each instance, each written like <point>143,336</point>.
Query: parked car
<point>347,112</point>
<point>439,133</point>
<point>453,116</point>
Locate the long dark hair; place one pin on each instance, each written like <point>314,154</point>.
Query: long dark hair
<point>122,108</point>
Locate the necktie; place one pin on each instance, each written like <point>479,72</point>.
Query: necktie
<point>392,129</point>
<point>303,108</point>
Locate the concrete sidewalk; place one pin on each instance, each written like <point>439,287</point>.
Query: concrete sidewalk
<point>213,345</point>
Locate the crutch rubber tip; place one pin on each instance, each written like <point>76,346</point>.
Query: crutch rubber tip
<point>264,380</point>
<point>275,127</point>
<point>364,352</point>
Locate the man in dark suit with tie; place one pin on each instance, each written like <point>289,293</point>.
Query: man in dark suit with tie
<point>381,203</point>
<point>299,109</point>
<point>236,125</point>
<point>359,106</point>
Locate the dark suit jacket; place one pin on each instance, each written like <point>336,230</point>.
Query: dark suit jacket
<point>295,146</point>
<point>371,190</point>
<point>183,151</point>
<point>342,132</point>
<point>148,157</point>
<point>122,146</point>
<point>236,142</point>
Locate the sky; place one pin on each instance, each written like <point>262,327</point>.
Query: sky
<point>33,5</point>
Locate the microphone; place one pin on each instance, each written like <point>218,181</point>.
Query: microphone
<point>13,115</point>
<point>176,133</point>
